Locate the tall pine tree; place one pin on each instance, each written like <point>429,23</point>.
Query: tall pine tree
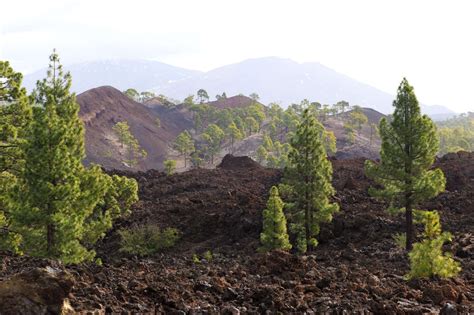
<point>409,146</point>
<point>15,116</point>
<point>62,208</point>
<point>309,175</point>
<point>274,234</point>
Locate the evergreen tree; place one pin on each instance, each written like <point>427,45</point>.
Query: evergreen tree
<point>15,116</point>
<point>129,142</point>
<point>61,208</point>
<point>213,137</point>
<point>309,175</point>
<point>409,146</point>
<point>274,234</point>
<point>427,258</point>
<point>170,166</point>
<point>203,96</point>
<point>262,154</point>
<point>234,134</point>
<point>184,144</point>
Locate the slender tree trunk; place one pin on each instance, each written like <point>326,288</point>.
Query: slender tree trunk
<point>50,238</point>
<point>409,226</point>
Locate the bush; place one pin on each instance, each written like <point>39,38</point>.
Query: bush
<point>427,258</point>
<point>147,240</point>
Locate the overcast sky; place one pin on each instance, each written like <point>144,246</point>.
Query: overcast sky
<point>376,42</point>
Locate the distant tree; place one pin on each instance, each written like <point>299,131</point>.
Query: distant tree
<point>203,96</point>
<point>158,122</point>
<point>252,125</point>
<point>309,175</point>
<point>129,142</point>
<point>132,94</point>
<point>274,234</point>
<point>267,143</point>
<point>213,136</point>
<point>256,111</point>
<point>184,144</point>
<point>145,96</point>
<point>373,133</point>
<point>254,96</point>
<point>62,208</point>
<point>234,134</point>
<point>343,105</point>
<point>409,146</point>
<point>358,119</point>
<point>262,154</point>
<point>189,100</point>
<point>170,166</point>
<point>221,97</point>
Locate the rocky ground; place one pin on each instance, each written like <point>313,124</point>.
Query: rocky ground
<point>357,268</point>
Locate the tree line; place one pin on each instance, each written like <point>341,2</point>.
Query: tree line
<point>404,177</point>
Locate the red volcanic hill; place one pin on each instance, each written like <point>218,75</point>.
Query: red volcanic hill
<point>102,108</point>
<point>233,102</point>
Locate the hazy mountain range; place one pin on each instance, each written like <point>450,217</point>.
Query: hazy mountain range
<point>274,79</point>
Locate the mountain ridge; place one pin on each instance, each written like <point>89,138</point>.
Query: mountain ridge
<point>274,79</point>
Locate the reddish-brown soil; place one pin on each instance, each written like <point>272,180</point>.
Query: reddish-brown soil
<point>356,268</point>
<point>102,108</point>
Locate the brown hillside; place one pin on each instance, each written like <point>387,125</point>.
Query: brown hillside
<point>233,102</point>
<point>102,108</point>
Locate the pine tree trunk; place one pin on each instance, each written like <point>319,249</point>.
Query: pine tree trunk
<point>50,238</point>
<point>409,226</point>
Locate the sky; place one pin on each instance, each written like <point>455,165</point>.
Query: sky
<point>376,42</point>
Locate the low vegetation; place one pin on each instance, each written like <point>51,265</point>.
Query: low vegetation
<point>147,240</point>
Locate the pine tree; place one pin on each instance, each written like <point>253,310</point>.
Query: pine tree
<point>129,142</point>
<point>15,117</point>
<point>409,146</point>
<point>274,234</point>
<point>309,174</point>
<point>170,166</point>
<point>213,137</point>
<point>184,144</point>
<point>427,258</point>
<point>61,207</point>
<point>234,134</point>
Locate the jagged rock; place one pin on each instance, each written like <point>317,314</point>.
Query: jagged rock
<point>36,291</point>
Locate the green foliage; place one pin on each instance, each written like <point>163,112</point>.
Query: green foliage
<point>189,100</point>
<point>234,133</point>
<point>184,144</point>
<point>427,258</point>
<point>59,207</point>
<point>129,143</point>
<point>274,234</point>
<point>208,255</point>
<point>132,94</point>
<point>203,96</point>
<point>358,119</point>
<point>329,140</point>
<point>400,239</point>
<point>309,174</point>
<point>409,146</point>
<point>147,240</point>
<point>196,259</point>
<point>15,117</point>
<point>457,134</point>
<point>170,166</point>
<point>213,137</point>
<point>261,154</point>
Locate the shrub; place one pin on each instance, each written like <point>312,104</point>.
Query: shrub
<point>400,239</point>
<point>147,240</point>
<point>427,258</point>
